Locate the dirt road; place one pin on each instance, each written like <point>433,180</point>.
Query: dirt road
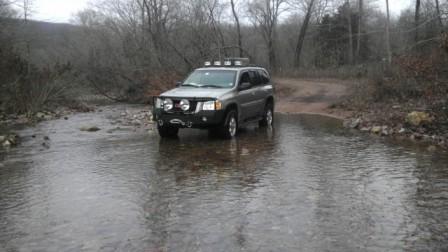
<point>316,96</point>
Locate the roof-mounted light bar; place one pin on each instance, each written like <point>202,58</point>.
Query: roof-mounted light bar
<point>238,62</point>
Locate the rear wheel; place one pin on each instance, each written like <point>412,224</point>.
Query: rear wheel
<point>167,131</point>
<point>230,126</point>
<point>268,116</point>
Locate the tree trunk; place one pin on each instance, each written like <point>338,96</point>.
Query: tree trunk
<point>417,19</point>
<point>271,54</point>
<point>302,34</point>
<point>238,29</point>
<point>360,29</point>
<point>388,47</point>
<point>439,15</point>
<point>350,33</point>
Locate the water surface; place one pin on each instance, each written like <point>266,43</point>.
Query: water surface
<point>306,186</point>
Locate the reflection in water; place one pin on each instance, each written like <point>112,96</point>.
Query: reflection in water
<point>307,186</point>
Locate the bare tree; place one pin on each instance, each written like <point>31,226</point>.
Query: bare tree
<point>302,33</point>
<point>417,19</point>
<point>350,32</point>
<point>214,9</point>
<point>27,4</point>
<point>360,28</point>
<point>439,14</point>
<point>388,46</point>
<point>265,15</point>
<point>238,28</point>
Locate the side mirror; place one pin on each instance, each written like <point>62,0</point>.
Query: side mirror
<point>244,86</point>
<point>178,83</point>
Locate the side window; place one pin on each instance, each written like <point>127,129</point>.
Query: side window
<point>245,78</point>
<point>255,78</point>
<point>264,76</point>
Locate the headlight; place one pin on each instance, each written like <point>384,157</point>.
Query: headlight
<point>184,105</point>
<point>212,105</point>
<point>168,104</point>
<point>158,103</point>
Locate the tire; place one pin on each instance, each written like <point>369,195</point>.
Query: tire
<point>229,128</point>
<point>168,132</point>
<point>268,116</point>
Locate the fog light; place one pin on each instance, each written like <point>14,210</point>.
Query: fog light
<point>204,119</point>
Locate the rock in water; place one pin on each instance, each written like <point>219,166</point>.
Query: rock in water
<point>355,123</point>
<point>366,129</point>
<point>90,129</point>
<point>377,129</point>
<point>40,115</point>
<point>432,148</point>
<point>418,118</point>
<point>2,139</point>
<point>6,144</point>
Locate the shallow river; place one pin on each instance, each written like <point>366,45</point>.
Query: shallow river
<point>306,186</point>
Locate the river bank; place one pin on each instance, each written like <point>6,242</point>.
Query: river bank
<point>413,120</point>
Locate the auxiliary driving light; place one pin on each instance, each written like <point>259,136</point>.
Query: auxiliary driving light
<point>168,104</point>
<point>184,105</point>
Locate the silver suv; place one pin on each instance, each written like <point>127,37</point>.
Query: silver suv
<point>222,97</point>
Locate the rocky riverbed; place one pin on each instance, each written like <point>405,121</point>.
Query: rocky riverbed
<point>133,118</point>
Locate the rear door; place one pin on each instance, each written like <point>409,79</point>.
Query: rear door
<point>247,98</point>
<point>267,86</point>
<point>259,92</point>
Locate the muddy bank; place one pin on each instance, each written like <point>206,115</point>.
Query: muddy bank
<point>316,96</point>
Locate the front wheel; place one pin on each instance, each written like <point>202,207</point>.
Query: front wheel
<point>168,132</point>
<point>230,126</point>
<point>268,116</point>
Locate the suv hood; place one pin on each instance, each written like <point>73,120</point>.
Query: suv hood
<point>192,92</point>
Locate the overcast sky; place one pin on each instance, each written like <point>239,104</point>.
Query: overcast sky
<point>62,10</point>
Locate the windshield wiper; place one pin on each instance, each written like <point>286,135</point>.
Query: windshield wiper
<point>211,86</point>
<point>190,85</point>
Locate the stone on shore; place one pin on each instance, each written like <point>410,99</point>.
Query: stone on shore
<point>418,118</point>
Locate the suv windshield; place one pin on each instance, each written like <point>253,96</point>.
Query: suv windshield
<point>211,78</point>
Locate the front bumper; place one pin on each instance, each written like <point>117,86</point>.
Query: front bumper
<point>202,119</point>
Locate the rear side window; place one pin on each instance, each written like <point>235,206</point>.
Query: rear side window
<point>265,79</point>
<point>255,78</point>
